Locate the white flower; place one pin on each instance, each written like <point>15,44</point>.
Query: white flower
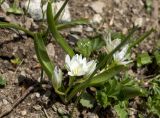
<point>119,56</point>
<point>111,44</point>
<point>57,78</point>
<point>78,66</point>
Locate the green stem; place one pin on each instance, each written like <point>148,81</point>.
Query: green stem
<point>76,102</point>
<point>41,74</point>
<point>14,26</point>
<point>71,80</point>
<point>59,92</point>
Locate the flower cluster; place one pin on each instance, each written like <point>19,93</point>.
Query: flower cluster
<point>119,56</point>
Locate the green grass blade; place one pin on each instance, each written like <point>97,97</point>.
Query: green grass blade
<point>52,26</point>
<point>141,38</point>
<point>60,10</point>
<point>42,56</point>
<point>72,24</point>
<point>15,26</point>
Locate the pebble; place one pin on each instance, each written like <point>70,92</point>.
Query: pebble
<point>96,18</point>
<point>62,111</point>
<point>97,6</point>
<point>37,95</point>
<point>5,6</point>
<point>139,22</point>
<point>23,113</point>
<point>37,107</point>
<point>35,10</point>
<point>50,50</point>
<point>89,29</point>
<point>54,108</point>
<point>5,102</point>
<point>77,29</point>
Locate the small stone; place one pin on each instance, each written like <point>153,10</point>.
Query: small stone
<point>35,57</point>
<point>62,111</point>
<point>37,107</point>
<point>124,30</point>
<point>23,73</point>
<point>89,29</point>
<point>23,113</point>
<point>117,2</point>
<point>5,102</point>
<point>97,6</point>
<point>5,6</point>
<point>96,18</point>
<point>77,29</point>
<point>50,50</point>
<point>139,22</point>
<point>35,10</point>
<point>37,95</point>
<point>54,108</point>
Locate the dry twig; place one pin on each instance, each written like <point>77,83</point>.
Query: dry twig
<point>27,92</point>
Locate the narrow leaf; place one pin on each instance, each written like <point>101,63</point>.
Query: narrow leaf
<point>60,10</point>
<point>15,26</point>
<point>72,24</point>
<point>52,26</point>
<point>43,56</point>
<point>141,38</point>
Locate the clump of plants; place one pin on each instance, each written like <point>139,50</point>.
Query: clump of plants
<point>99,62</point>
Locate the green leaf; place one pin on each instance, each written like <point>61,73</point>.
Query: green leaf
<point>104,76</point>
<point>157,57</point>
<point>148,5</point>
<point>72,24</point>
<point>42,55</point>
<point>143,59</point>
<point>1,2</point>
<point>102,98</point>
<point>2,81</point>
<point>15,26</point>
<point>88,45</point>
<point>130,89</point>
<point>16,61</point>
<point>114,90</point>
<point>53,28</point>
<point>128,92</point>
<point>87,100</point>
<point>121,110</point>
<point>96,80</point>
<point>153,104</point>
<point>84,46</point>
<point>15,10</point>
